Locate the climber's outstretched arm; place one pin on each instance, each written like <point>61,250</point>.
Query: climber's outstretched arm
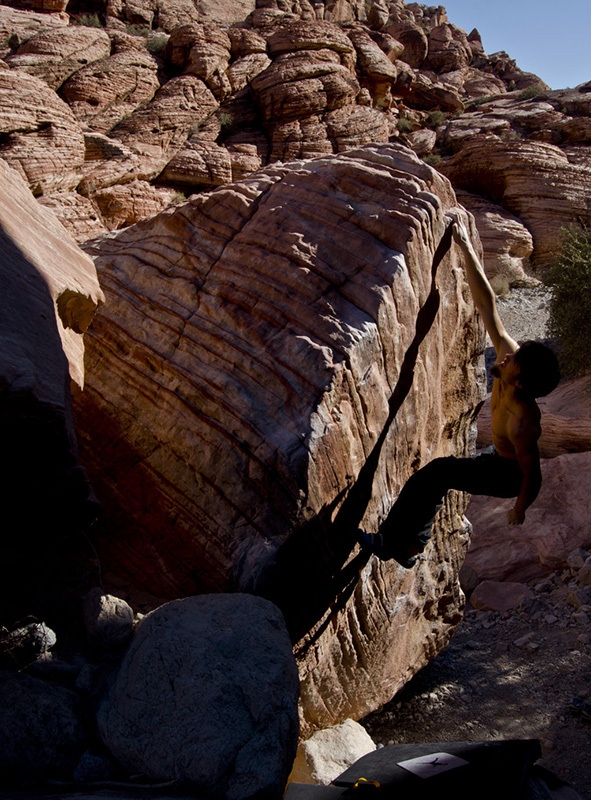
<point>482,293</point>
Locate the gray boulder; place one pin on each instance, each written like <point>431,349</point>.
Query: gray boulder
<point>207,693</point>
<point>108,620</point>
<point>41,736</point>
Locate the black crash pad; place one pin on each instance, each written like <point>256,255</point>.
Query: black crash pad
<point>455,770</point>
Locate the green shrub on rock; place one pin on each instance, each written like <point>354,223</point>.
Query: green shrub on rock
<point>570,307</point>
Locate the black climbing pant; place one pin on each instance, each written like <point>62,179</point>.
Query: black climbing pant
<point>408,525</point>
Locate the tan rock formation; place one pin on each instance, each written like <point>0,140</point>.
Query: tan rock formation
<point>245,159</point>
<point>129,203</point>
<point>180,105</point>
<point>238,388</point>
<point>379,73</point>
<point>78,214</point>
<point>299,84</point>
<point>19,25</point>
<point>245,41</point>
<point>199,164</point>
<point>49,294</point>
<point>556,524</point>
<point>110,89</point>
<point>414,39</point>
<point>506,242</point>
<point>533,180</point>
<point>171,14</point>
<point>449,49</point>
<point>41,138</point>
<point>53,7</point>
<point>56,54</point>
<point>108,161</point>
<point>422,141</point>
<point>244,69</point>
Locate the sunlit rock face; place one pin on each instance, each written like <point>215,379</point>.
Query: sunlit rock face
<point>255,392</point>
<point>533,180</point>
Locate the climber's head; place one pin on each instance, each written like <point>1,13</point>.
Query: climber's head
<point>539,371</point>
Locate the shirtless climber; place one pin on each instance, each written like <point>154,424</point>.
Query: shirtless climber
<point>512,467</point>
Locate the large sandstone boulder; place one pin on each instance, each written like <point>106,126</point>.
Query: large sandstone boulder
<point>207,694</point>
<point>49,293</point>
<point>39,135</point>
<point>449,49</point>
<point>238,388</point>
<point>19,25</point>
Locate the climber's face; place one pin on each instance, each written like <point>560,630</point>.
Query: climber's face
<point>508,370</point>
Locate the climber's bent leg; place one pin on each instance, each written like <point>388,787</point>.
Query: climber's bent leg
<point>407,528</point>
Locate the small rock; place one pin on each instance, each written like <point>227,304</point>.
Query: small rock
<point>584,574</point>
<point>550,619</point>
<point>580,618</point>
<point>23,645</point>
<point>523,641</point>
<point>41,732</point>
<point>576,558</point>
<point>500,595</point>
<point>327,753</point>
<point>108,619</point>
<point>95,767</point>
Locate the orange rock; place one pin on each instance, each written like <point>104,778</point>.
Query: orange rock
<point>177,108</point>
<point>129,203</point>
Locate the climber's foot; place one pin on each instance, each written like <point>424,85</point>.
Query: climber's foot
<point>374,542</point>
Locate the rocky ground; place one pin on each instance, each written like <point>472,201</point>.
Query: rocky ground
<point>512,674</point>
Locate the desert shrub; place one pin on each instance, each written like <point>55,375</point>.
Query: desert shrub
<point>432,159</point>
<point>479,101</point>
<point>156,43</point>
<point>404,125</point>
<point>137,30</point>
<point>226,120</point>
<point>530,92</point>
<point>89,21</point>
<point>435,119</point>
<point>570,306</point>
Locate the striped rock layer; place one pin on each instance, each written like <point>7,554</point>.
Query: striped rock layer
<point>255,391</point>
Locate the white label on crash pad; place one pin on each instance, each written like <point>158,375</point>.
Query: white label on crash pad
<point>434,764</point>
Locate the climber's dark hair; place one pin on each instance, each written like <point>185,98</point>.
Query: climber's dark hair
<point>539,373</point>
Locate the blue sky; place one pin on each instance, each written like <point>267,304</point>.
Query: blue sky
<point>550,39</point>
